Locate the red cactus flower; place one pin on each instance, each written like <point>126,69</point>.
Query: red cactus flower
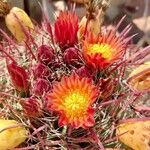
<point>71,56</point>
<point>45,54</point>
<point>104,49</point>
<point>19,77</point>
<point>31,107</point>
<point>65,28</point>
<point>40,87</point>
<point>72,98</point>
<point>41,71</point>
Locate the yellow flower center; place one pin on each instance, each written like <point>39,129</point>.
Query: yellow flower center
<point>75,104</point>
<point>104,49</point>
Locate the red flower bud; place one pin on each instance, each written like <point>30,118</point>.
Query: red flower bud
<point>71,56</point>
<point>41,71</point>
<point>31,107</point>
<point>40,87</point>
<point>45,54</point>
<point>85,72</point>
<point>19,77</point>
<point>65,28</point>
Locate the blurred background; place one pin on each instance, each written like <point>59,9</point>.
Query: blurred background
<point>137,11</point>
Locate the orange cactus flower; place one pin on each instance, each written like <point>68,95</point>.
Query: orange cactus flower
<point>103,50</point>
<point>72,98</point>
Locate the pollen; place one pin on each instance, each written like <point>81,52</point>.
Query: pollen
<point>75,104</point>
<point>104,49</point>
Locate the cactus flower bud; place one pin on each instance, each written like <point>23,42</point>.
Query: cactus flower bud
<point>65,28</point>
<point>16,20</point>
<point>41,71</point>
<point>45,54</point>
<point>31,107</point>
<point>12,134</point>
<point>71,56</point>
<point>40,87</point>
<point>19,77</point>
<point>85,72</point>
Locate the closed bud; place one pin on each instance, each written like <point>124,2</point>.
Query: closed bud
<point>71,56</point>
<point>12,134</point>
<point>65,29</point>
<point>32,107</point>
<point>85,72</point>
<point>41,87</point>
<point>17,21</point>
<point>19,77</point>
<point>45,54</point>
<point>41,71</point>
